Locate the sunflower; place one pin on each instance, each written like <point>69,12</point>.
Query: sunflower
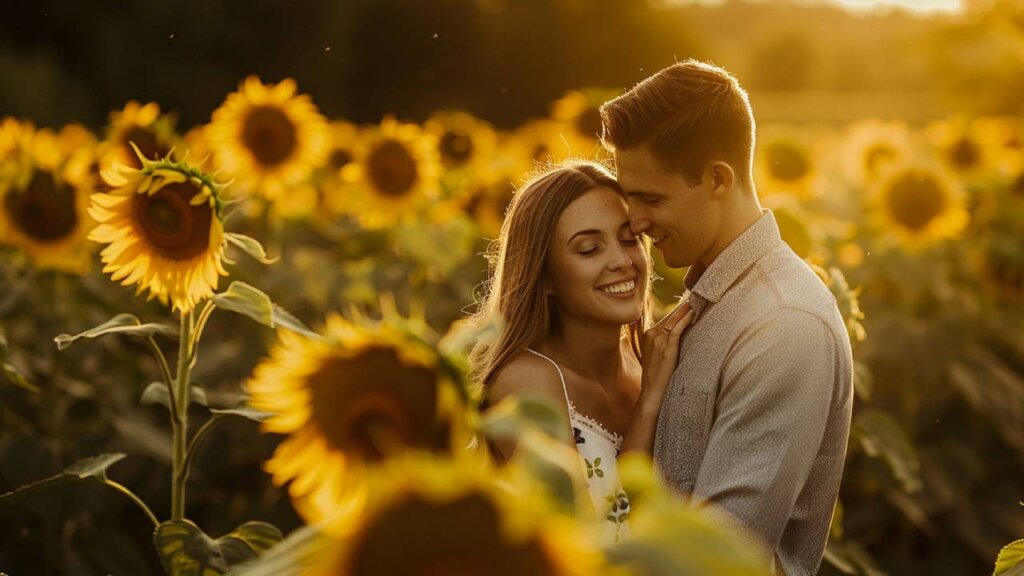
<point>580,110</point>
<point>164,231</point>
<point>44,203</point>
<point>787,163</point>
<point>395,173</point>
<point>920,204</point>
<point>872,146</point>
<point>363,393</point>
<point>137,126</point>
<point>329,179</point>
<point>961,147</point>
<point>443,517</point>
<point>462,140</point>
<point>267,137</point>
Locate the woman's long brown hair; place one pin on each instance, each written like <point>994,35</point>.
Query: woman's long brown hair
<point>515,296</point>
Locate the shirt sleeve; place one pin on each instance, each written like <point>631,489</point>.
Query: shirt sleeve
<point>772,409</point>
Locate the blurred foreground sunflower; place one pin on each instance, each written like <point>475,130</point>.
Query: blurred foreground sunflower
<point>164,231</point>
<point>44,203</point>
<point>395,173</point>
<point>363,393</point>
<point>441,517</point>
<point>138,126</point>
<point>267,137</point>
<point>920,205</point>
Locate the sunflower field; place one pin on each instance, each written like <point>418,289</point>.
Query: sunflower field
<point>234,339</point>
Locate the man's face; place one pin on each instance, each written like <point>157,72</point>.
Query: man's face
<point>682,220</point>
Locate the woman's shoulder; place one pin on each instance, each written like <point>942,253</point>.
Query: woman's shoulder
<point>527,373</point>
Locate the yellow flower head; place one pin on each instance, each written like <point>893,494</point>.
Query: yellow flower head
<point>871,147</point>
<point>580,110</point>
<point>363,393</point>
<point>424,516</point>
<point>44,201</point>
<point>140,127</point>
<point>462,140</point>
<point>961,146</point>
<point>395,173</point>
<point>164,231</point>
<point>267,137</point>
<point>920,205</point>
<point>787,163</point>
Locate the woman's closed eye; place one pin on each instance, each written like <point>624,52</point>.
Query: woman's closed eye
<point>630,240</point>
<point>588,249</point>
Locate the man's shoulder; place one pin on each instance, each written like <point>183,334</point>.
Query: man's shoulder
<point>789,283</point>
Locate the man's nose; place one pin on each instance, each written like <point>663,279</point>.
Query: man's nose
<point>638,222</point>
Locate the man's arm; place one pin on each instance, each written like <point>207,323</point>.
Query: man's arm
<point>774,402</point>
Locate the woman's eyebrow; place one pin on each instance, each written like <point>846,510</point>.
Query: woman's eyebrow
<point>583,232</point>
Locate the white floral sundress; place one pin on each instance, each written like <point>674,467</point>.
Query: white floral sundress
<point>598,449</point>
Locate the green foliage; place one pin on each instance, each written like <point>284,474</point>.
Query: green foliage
<point>186,551</point>
<point>88,470</point>
<point>120,324</point>
<point>1010,561</point>
<point>249,301</point>
<point>880,435</point>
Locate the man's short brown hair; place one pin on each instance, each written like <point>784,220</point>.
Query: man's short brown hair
<point>688,115</point>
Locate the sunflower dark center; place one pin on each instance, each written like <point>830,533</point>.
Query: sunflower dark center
<point>339,158</point>
<point>589,123</point>
<point>374,404</point>
<point>174,228</point>
<point>391,168</point>
<point>459,537</point>
<point>786,161</point>
<point>540,153</point>
<point>269,134</point>
<point>456,148</point>
<point>44,210</point>
<point>1018,185</point>
<point>915,199</point>
<point>147,142</point>
<point>964,153</point>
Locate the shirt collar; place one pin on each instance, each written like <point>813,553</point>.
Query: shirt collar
<point>708,284</point>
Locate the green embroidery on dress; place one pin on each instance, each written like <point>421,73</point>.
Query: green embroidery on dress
<point>594,468</point>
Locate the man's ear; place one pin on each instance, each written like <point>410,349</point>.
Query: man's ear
<point>722,177</point>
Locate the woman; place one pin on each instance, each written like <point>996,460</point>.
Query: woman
<point>570,289</point>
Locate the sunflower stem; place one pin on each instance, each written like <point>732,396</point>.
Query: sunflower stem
<point>180,398</point>
<point>190,452</point>
<point>197,332</point>
<point>134,498</point>
<point>165,372</point>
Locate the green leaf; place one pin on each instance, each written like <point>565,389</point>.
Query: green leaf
<point>250,246</point>
<point>186,551</point>
<point>157,393</point>
<point>671,539</point>
<point>249,301</point>
<point>1010,561</point>
<point>850,558</point>
<point>881,435</point>
<point>120,324</point>
<point>92,469</point>
<point>516,414</point>
<point>863,380</point>
<point>15,377</point>
<point>288,557</point>
<point>244,412</point>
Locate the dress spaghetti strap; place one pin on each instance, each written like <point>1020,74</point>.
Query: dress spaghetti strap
<point>568,403</point>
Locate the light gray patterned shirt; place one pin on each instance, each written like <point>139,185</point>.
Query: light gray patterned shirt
<point>756,418</point>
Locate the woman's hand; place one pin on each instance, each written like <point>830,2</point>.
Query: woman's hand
<point>660,349</point>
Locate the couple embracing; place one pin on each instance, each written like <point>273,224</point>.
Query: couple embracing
<point>742,394</point>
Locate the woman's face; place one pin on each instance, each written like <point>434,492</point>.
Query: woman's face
<point>596,267</point>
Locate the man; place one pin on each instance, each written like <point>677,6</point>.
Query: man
<point>757,416</point>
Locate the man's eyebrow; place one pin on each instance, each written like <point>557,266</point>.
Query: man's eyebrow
<point>583,232</point>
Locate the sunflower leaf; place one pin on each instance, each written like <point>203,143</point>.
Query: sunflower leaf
<point>881,435</point>
<point>286,558</point>
<point>245,412</point>
<point>1010,561</point>
<point>516,414</point>
<point>156,393</point>
<point>86,470</point>
<point>250,246</point>
<point>120,324</point>
<point>250,301</point>
<point>186,551</point>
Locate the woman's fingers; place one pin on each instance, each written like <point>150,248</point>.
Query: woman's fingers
<point>674,314</point>
<point>681,324</point>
